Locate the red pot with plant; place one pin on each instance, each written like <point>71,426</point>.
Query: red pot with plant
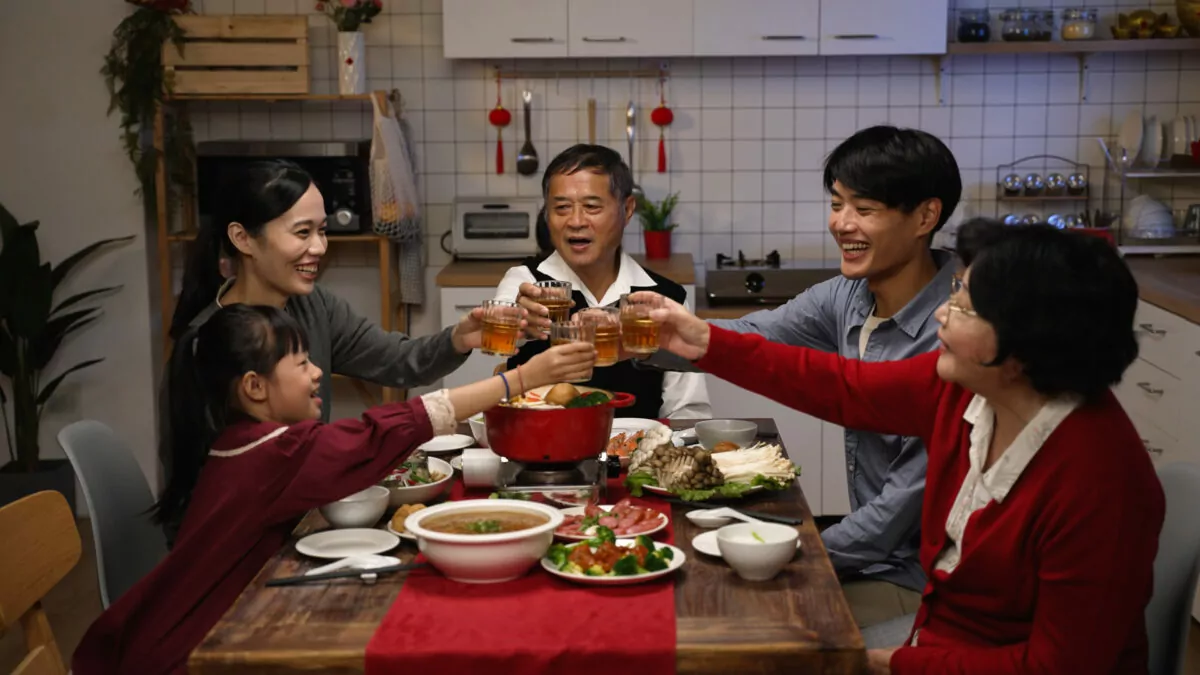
<point>657,225</point>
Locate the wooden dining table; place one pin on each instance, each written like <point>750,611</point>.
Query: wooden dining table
<point>798,622</point>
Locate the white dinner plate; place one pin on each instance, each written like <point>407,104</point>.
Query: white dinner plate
<point>663,519</point>
<point>706,543</point>
<point>663,491</point>
<point>677,559</point>
<point>1152,142</point>
<point>337,544</point>
<point>449,443</point>
<point>625,425</point>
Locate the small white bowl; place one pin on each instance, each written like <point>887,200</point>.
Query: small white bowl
<point>361,509</point>
<point>757,558</point>
<point>711,432</point>
<point>485,558</point>
<point>423,494</point>
<point>479,430</point>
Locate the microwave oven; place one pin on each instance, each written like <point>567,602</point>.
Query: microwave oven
<point>340,170</point>
<point>495,227</point>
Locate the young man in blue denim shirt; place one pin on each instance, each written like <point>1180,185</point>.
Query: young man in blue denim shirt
<point>891,190</point>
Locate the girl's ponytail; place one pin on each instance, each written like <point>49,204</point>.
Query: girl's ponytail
<point>192,429</point>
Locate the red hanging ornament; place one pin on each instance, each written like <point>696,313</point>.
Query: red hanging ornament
<point>499,118</point>
<point>662,117</point>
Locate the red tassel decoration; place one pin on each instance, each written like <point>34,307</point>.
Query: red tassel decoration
<point>662,117</point>
<point>499,118</point>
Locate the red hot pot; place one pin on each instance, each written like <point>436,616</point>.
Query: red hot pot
<point>553,435</point>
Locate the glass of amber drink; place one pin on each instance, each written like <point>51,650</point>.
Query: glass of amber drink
<point>501,326</point>
<point>566,333</point>
<point>556,297</point>
<point>639,334</point>
<point>606,322</point>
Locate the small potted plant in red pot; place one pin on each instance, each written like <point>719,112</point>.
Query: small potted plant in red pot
<point>657,225</point>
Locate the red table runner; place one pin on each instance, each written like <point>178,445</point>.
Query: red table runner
<point>536,625</point>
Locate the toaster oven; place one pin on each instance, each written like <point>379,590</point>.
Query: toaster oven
<point>496,228</point>
<point>340,170</point>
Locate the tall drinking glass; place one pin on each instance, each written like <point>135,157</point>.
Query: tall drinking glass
<point>639,334</point>
<point>501,327</point>
<point>566,333</point>
<point>606,322</point>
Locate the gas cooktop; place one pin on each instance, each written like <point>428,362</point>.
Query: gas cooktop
<point>768,280</point>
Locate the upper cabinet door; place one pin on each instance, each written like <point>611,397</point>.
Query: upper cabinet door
<point>883,26</point>
<point>504,28</point>
<point>630,27</point>
<point>757,27</point>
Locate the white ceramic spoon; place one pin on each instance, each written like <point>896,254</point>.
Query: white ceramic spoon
<point>364,562</point>
<point>718,517</point>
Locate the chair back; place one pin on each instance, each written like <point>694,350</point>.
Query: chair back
<point>1169,614</point>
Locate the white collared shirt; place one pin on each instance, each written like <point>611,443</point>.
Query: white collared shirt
<point>979,488</point>
<point>685,395</point>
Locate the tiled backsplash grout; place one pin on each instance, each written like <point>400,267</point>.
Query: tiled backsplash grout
<point>750,134</point>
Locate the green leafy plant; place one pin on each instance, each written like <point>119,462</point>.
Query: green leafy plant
<point>657,217</point>
<point>349,15</point>
<point>32,328</point>
<point>133,73</point>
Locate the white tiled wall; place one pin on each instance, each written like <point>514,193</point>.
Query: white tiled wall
<point>750,134</point>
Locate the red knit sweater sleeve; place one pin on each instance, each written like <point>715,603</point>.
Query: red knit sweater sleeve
<point>337,459</point>
<point>1097,553</point>
<point>891,397</point>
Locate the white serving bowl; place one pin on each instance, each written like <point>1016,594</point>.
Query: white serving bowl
<point>479,430</point>
<point>485,558</point>
<point>711,432</point>
<point>361,509</point>
<point>423,494</point>
<point>756,560</point>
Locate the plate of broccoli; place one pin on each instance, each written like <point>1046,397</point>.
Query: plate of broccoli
<point>606,560</point>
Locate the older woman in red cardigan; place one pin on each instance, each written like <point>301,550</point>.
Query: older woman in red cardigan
<point>1042,511</point>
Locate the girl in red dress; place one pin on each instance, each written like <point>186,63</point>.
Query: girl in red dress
<point>251,459</point>
<point>1042,511</point>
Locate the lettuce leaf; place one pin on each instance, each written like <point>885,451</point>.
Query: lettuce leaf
<point>635,481</point>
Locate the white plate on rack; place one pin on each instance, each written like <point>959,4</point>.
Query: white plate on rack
<point>338,544</point>
<point>1152,141</point>
<point>450,443</point>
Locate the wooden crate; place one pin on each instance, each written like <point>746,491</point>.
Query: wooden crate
<point>247,55</point>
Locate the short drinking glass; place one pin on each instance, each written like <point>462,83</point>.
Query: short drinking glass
<point>607,324</point>
<point>566,333</point>
<point>501,326</point>
<point>556,297</point>
<point>639,334</point>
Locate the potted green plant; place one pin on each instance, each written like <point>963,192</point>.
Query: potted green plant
<point>657,225</point>
<point>32,328</point>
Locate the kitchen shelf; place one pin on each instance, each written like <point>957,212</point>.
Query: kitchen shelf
<point>1075,46</point>
<point>271,98</point>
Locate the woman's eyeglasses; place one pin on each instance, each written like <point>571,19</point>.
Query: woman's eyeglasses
<point>956,287</point>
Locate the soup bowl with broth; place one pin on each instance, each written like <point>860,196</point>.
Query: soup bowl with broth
<point>482,541</point>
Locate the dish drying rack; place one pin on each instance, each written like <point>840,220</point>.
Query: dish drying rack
<point>1124,170</point>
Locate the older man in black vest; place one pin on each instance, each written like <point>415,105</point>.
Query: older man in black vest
<point>589,200</point>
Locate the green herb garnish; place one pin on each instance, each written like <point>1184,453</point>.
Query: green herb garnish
<point>485,526</point>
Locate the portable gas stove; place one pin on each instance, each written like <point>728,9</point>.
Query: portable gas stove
<point>569,484</point>
<point>761,281</point>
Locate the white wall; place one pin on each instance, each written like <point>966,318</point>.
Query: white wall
<point>61,163</point>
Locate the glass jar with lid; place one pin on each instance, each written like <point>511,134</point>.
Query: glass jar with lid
<point>1026,25</point>
<point>1079,23</point>
<point>974,25</point>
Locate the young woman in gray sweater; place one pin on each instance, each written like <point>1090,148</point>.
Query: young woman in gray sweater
<point>264,246</point>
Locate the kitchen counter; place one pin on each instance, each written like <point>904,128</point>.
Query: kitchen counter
<point>679,268</point>
<point>1170,283</point>
<point>706,311</point>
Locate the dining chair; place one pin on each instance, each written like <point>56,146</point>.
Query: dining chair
<point>1169,614</point>
<point>41,544</point>
<point>128,543</point>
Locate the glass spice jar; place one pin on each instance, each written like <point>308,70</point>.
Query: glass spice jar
<point>974,25</point>
<point>1079,23</point>
<point>1026,25</point>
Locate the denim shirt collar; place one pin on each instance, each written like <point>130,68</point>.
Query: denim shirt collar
<point>913,316</point>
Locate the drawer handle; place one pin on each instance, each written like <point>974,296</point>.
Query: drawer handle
<point>784,37</point>
<point>856,36</point>
<point>532,40</point>
<point>1145,386</point>
<point>605,39</point>
<point>1149,328</point>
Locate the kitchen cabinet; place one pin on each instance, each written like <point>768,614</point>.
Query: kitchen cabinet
<point>630,28</point>
<point>1160,389</point>
<point>756,27</point>
<point>883,27</point>
<point>504,29</point>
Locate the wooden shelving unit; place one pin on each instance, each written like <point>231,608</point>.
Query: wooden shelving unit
<point>391,314</point>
